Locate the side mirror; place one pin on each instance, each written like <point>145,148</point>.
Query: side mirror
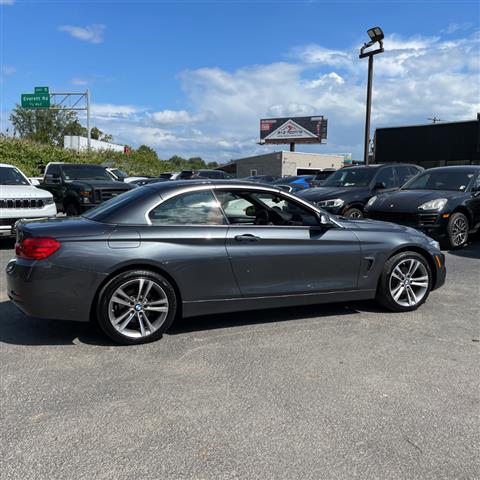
<point>324,220</point>
<point>49,178</point>
<point>379,186</point>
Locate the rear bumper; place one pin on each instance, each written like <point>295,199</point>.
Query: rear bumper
<point>42,289</point>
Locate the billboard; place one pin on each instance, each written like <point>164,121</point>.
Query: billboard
<point>293,130</point>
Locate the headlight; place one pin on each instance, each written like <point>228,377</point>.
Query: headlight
<point>434,244</point>
<point>437,204</point>
<point>86,196</point>
<point>336,202</point>
<point>371,201</point>
<point>47,201</point>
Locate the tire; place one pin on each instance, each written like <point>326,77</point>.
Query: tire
<point>396,285</point>
<point>353,213</point>
<point>457,231</point>
<point>136,307</point>
<point>71,210</point>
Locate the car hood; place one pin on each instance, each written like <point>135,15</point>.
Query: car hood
<point>378,226</point>
<point>22,191</point>
<point>327,193</point>
<point>99,184</point>
<point>409,200</point>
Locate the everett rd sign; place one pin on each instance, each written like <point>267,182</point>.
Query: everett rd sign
<point>35,100</point>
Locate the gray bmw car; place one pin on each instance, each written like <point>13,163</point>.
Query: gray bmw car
<point>190,248</point>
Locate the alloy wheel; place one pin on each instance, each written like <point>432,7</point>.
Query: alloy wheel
<point>409,281</point>
<point>138,308</point>
<point>459,232</point>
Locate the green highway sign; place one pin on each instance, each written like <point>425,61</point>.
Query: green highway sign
<point>35,100</point>
<point>40,90</point>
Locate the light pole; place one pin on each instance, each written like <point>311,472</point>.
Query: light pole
<point>376,36</point>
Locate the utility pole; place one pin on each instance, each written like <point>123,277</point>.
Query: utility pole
<point>376,35</point>
<point>89,135</point>
<point>435,119</point>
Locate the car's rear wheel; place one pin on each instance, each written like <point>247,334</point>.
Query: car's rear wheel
<point>353,213</point>
<point>405,282</point>
<point>137,306</point>
<point>457,230</point>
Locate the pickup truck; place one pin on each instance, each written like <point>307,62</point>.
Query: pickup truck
<point>19,199</point>
<point>79,187</point>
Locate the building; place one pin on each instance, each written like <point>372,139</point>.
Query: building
<point>432,145</point>
<point>74,142</point>
<point>282,164</point>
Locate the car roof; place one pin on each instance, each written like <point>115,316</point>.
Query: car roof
<point>456,168</point>
<point>181,184</point>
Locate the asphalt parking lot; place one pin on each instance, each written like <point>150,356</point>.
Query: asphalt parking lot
<point>323,392</point>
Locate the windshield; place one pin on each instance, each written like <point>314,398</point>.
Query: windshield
<point>119,173</point>
<point>350,177</point>
<point>440,180</point>
<point>11,176</point>
<point>85,172</point>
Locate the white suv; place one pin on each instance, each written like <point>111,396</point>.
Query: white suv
<point>19,199</point>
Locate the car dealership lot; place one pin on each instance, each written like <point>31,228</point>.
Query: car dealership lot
<point>330,391</point>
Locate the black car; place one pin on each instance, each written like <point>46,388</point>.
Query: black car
<point>442,202</point>
<point>146,181</point>
<point>347,191</point>
<point>203,247</point>
<point>203,173</point>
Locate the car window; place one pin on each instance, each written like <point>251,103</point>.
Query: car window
<point>54,170</point>
<point>387,177</point>
<point>441,180</point>
<point>263,208</point>
<point>192,208</point>
<point>351,177</point>
<point>404,174</point>
<point>12,176</point>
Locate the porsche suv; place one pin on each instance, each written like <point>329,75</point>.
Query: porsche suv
<point>443,202</point>
<point>202,247</point>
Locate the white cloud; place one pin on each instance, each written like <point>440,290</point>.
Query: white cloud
<point>79,81</point>
<point>8,70</point>
<point>456,27</point>
<point>111,111</point>
<point>416,78</point>
<point>91,34</point>
<point>171,117</point>
<point>7,2</point>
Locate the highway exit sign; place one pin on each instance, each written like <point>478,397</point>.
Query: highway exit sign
<point>41,90</point>
<point>35,100</point>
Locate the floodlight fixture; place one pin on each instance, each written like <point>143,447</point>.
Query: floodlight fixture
<point>375,34</point>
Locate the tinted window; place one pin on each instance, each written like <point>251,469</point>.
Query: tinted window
<point>351,177</point>
<point>193,208</point>
<point>387,177</point>
<point>440,180</point>
<point>263,208</point>
<point>405,173</point>
<point>85,172</point>
<point>54,170</point>
<point>11,176</point>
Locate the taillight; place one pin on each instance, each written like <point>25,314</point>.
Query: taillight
<point>36,248</point>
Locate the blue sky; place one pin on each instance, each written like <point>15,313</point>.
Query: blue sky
<point>193,78</point>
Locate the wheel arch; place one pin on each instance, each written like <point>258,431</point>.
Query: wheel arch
<point>421,251</point>
<point>137,266</point>
<point>463,209</point>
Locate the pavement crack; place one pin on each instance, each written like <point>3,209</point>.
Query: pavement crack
<point>413,444</point>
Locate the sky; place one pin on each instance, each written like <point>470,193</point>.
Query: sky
<point>193,78</point>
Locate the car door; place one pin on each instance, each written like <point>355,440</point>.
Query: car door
<point>55,184</point>
<point>285,251</point>
<point>474,202</point>
<point>186,238</point>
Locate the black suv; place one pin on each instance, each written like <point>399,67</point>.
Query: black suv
<point>347,191</point>
<point>79,187</point>
<point>443,202</point>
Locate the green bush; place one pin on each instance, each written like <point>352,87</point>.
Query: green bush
<point>32,157</point>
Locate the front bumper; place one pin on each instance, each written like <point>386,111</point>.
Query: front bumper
<point>440,270</point>
<point>432,224</point>
<point>8,217</point>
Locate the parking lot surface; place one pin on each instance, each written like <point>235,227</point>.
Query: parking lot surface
<point>323,392</point>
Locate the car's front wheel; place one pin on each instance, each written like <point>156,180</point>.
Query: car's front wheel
<point>353,213</point>
<point>137,306</point>
<point>405,282</point>
<point>457,230</point>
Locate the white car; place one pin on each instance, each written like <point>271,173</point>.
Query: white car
<point>19,199</point>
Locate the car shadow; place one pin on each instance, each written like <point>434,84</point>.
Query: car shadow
<point>19,329</point>
<point>471,250</point>
<point>7,243</point>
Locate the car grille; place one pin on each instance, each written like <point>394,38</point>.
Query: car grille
<point>22,203</point>
<point>106,194</point>
<point>405,218</point>
<point>8,221</point>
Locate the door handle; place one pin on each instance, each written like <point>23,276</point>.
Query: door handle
<point>247,237</point>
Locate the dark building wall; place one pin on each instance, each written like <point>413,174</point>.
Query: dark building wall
<point>430,145</point>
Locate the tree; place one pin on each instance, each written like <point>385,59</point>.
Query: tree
<point>95,133</point>
<point>44,125</point>
<point>148,151</point>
